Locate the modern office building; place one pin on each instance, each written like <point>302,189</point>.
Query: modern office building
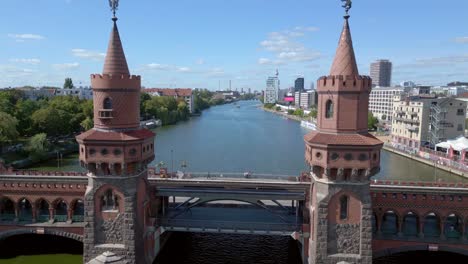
<point>306,99</point>
<point>272,90</point>
<point>381,73</point>
<point>381,102</point>
<point>299,84</point>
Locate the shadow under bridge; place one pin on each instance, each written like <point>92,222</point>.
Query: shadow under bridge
<point>231,206</point>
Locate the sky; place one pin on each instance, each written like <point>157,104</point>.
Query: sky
<point>208,43</point>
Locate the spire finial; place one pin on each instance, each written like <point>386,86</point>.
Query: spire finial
<point>347,4</point>
<point>114,5</point>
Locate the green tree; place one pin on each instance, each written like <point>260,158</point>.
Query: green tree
<point>372,121</point>
<point>38,147</point>
<point>23,112</point>
<point>8,130</point>
<point>298,112</point>
<point>68,83</point>
<point>290,112</point>
<point>313,113</point>
<point>278,108</point>
<point>87,124</point>
<point>50,121</point>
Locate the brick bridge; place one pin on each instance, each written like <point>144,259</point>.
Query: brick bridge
<point>407,216</point>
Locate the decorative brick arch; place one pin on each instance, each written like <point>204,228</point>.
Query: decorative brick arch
<point>26,231</point>
<point>423,247</point>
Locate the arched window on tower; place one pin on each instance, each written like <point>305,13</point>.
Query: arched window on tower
<point>107,103</point>
<point>329,109</point>
<point>106,111</point>
<point>344,207</point>
<point>109,202</point>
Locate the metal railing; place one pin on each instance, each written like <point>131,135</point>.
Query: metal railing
<point>230,225</point>
<point>61,218</point>
<point>7,217</point>
<point>78,218</point>
<point>231,175</point>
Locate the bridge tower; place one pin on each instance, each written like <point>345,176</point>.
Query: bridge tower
<point>116,153</point>
<point>342,156</point>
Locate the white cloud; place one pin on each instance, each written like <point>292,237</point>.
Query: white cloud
<point>435,61</point>
<point>26,61</point>
<point>24,37</point>
<point>157,66</point>
<point>88,54</point>
<point>265,61</point>
<point>67,66</point>
<point>285,47</point>
<point>183,69</point>
<point>461,40</point>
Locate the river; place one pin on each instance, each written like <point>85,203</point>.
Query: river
<point>239,138</point>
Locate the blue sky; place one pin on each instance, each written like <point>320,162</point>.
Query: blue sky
<point>204,43</point>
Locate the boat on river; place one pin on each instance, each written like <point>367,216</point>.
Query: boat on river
<point>308,125</point>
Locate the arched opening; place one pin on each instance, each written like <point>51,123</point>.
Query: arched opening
<point>43,213</point>
<point>410,224</point>
<point>61,211</point>
<point>24,210</point>
<point>78,211</point>
<point>453,227</point>
<point>29,246</point>
<point>110,201</point>
<point>7,209</point>
<point>419,254</point>
<point>431,225</point>
<point>329,109</point>
<point>344,207</point>
<point>107,104</point>
<point>389,223</point>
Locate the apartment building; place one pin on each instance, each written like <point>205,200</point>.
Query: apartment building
<point>184,93</point>
<point>420,121</point>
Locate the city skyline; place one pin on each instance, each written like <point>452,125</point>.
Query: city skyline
<point>181,48</point>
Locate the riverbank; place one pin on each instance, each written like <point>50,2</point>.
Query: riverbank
<point>280,113</point>
<point>427,162</point>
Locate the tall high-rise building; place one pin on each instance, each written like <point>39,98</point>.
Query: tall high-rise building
<point>299,84</point>
<point>272,90</point>
<point>381,73</point>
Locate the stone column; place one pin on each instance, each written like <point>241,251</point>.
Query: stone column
<point>400,226</point>
<point>16,213</point>
<point>421,227</point>
<point>51,214</point>
<point>354,175</point>
<point>34,212</point>
<point>340,175</point>
<point>69,215</point>
<point>442,228</point>
<point>379,224</point>
<point>112,169</point>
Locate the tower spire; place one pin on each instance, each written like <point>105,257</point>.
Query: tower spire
<point>345,61</point>
<point>115,62</point>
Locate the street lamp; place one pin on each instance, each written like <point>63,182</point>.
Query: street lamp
<point>172,160</point>
<point>183,166</point>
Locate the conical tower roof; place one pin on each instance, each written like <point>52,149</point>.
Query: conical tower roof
<point>115,58</point>
<point>345,61</point>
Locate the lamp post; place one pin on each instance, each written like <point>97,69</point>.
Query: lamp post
<point>172,161</point>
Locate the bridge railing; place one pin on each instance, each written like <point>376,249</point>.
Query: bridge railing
<point>224,175</point>
<point>417,184</point>
<point>230,225</point>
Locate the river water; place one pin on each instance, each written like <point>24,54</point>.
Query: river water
<point>239,138</point>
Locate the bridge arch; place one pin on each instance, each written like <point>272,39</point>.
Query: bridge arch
<point>432,224</point>
<point>410,223</point>
<point>25,209</point>
<point>390,222</point>
<point>7,209</point>
<point>403,249</point>
<point>453,226</point>
<point>27,231</point>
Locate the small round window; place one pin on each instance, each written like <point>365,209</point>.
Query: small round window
<point>348,156</point>
<point>92,151</point>
<point>104,152</point>
<point>363,157</point>
<point>334,156</point>
<point>318,155</point>
<point>133,152</point>
<point>117,152</point>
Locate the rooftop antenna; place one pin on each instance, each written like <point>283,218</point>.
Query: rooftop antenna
<point>277,73</point>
